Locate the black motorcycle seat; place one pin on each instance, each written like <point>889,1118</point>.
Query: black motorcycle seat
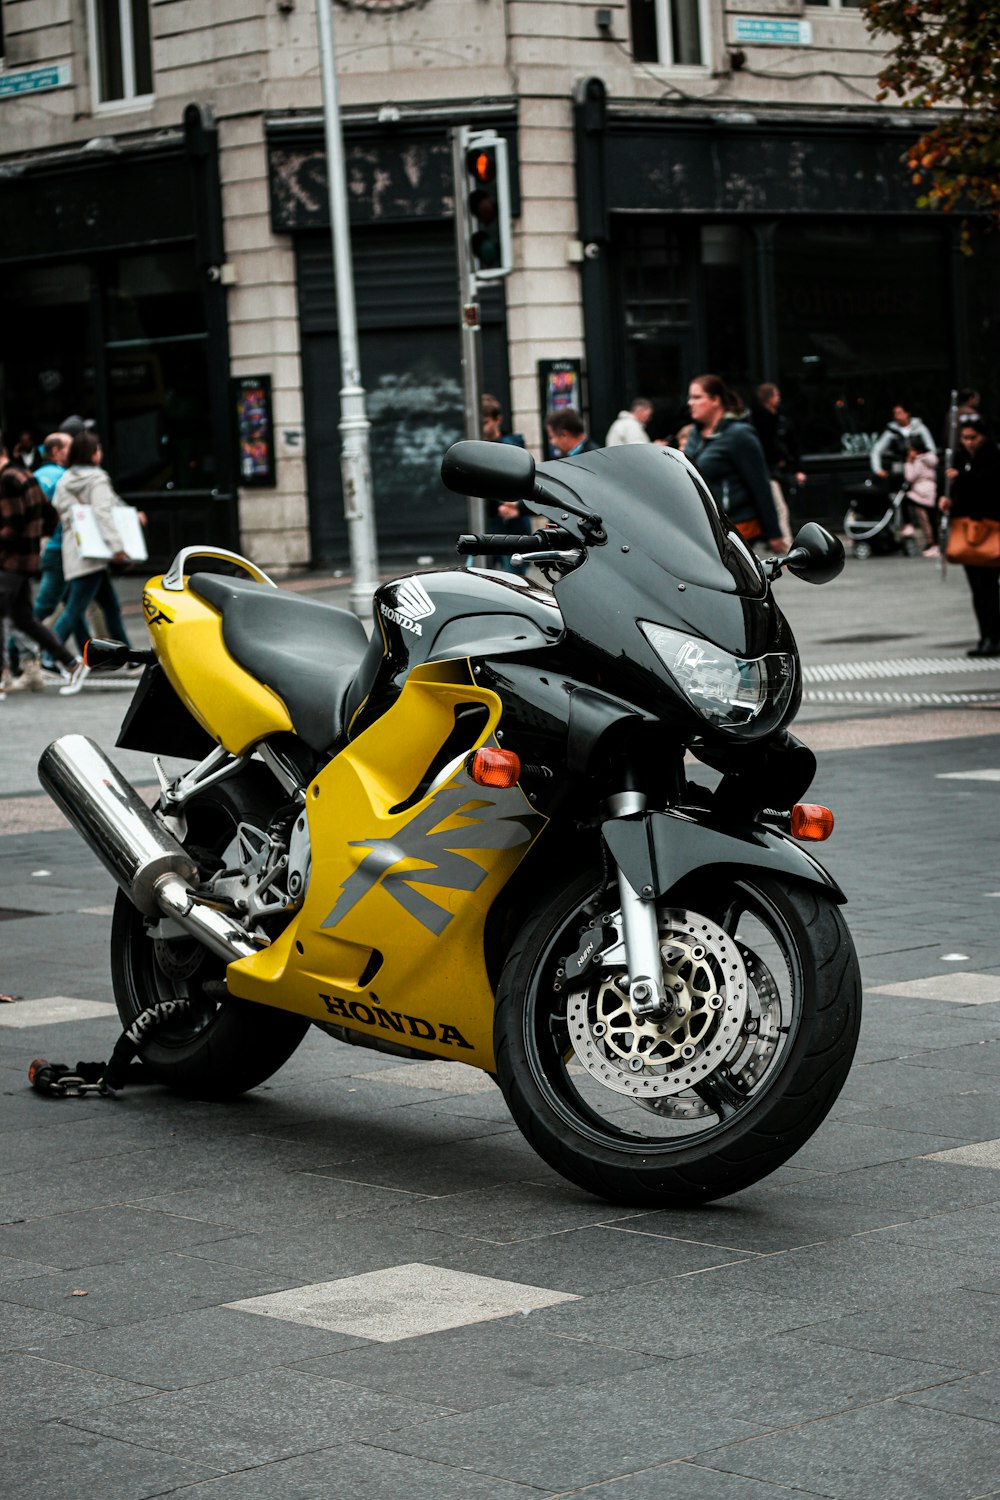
<point>305,651</point>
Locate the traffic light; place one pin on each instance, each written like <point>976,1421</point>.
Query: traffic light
<point>489,205</point>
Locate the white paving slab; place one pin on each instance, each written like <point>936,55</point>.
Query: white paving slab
<point>982,1154</point>
<point>53,1009</point>
<point>402,1302</point>
<point>449,1077</point>
<point>958,988</point>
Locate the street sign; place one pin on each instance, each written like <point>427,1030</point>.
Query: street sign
<point>772,33</point>
<point>34,80</point>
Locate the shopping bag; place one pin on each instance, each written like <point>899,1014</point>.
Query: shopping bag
<point>91,544</point>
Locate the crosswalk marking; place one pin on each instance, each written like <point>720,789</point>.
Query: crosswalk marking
<point>899,666</point>
<point>874,696</point>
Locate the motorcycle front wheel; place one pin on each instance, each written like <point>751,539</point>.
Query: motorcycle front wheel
<point>672,1112</point>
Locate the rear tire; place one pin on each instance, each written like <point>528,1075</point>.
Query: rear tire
<point>566,1072</point>
<point>223,1046</point>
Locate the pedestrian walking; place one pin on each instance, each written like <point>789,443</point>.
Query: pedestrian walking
<point>509,516</point>
<point>975,493</point>
<point>22,510</point>
<point>726,451</point>
<point>567,432</point>
<point>86,483</point>
<point>782,452</point>
<point>630,426</point>
<point>888,456</point>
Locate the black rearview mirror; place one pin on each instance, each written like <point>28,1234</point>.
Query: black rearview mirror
<point>815,554</point>
<point>493,471</point>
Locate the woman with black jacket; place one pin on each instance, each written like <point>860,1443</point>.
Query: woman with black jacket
<point>975,492</point>
<point>727,453</point>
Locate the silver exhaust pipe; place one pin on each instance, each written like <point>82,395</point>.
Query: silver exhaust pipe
<point>150,866</point>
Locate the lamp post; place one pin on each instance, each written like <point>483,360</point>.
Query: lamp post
<point>353,427</point>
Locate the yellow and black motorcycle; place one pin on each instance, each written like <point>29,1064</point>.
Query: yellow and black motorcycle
<point>473,836</point>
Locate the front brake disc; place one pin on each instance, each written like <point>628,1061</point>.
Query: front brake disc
<point>656,1057</point>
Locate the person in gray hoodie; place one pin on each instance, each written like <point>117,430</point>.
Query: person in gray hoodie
<point>87,579</point>
<point>727,453</point>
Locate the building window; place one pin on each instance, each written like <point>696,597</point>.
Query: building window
<point>670,32</point>
<point>121,62</point>
<point>836,4</point>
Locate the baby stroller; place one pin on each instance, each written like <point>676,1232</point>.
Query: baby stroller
<point>875,522</point>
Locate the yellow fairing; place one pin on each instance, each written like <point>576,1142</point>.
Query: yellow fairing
<point>227,701</point>
<point>399,899</point>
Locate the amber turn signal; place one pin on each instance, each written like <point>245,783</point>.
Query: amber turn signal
<point>810,821</point>
<point>494,767</point>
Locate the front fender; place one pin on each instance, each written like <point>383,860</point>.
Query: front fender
<point>655,851</point>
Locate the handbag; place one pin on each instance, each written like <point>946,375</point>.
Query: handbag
<point>90,542</point>
<point>976,543</point>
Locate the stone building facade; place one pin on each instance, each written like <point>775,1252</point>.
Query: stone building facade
<point>698,184</point>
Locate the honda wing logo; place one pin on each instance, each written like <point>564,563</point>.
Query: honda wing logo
<point>413,604</point>
<point>443,863</point>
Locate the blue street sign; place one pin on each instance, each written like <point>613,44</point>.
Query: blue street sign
<point>775,33</point>
<point>33,80</point>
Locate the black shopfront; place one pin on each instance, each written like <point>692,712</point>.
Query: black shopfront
<point>766,247</point>
<point>400,192</point>
<point>112,307</point>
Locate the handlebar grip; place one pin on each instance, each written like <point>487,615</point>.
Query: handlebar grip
<point>508,543</point>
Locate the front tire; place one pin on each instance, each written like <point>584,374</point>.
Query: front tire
<point>222,1046</point>
<point>672,1115</point>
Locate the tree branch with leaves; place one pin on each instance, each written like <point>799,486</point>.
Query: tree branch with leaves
<point>946,54</point>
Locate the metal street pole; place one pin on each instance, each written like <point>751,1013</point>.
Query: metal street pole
<point>470,319</point>
<point>355,463</point>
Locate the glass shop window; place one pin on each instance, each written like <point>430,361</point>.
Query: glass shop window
<point>121,58</point>
<point>673,33</point>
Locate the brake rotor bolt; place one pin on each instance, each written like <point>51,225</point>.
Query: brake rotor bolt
<point>635,1063</point>
<point>599,1028</point>
<point>688,1051</point>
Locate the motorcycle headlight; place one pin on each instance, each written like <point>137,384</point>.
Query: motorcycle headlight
<point>744,695</point>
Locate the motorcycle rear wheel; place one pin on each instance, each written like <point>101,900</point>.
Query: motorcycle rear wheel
<point>768,1063</point>
<point>223,1046</point>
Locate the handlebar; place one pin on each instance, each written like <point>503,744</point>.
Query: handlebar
<point>550,539</point>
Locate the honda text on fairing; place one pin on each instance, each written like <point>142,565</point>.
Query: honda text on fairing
<point>472,836</point>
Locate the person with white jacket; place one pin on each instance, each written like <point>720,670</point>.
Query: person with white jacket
<point>889,453</point>
<point>630,426</point>
<point>87,579</point>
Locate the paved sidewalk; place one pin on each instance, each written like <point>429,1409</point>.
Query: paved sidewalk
<point>446,1319</point>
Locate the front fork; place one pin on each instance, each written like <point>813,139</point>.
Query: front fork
<point>640,933</point>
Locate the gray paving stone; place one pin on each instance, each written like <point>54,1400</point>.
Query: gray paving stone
<point>57,1462</point>
<point>685,1480</point>
<point>960,1328</point>
<point>971,1116</point>
<point>20,1270</point>
<point>972,1058</point>
<point>784,1291</point>
<point>83,1239</point>
<point>976,1396</point>
<point>257,1419</point>
<point>790,1378</point>
<point>146,1287</point>
<point>190,1348</point>
<point>375,1473</point>
<point>971,1233</point>
<point>36,1388</point>
<point>262,1199</point>
<point>911,1189</point>
<point>21,1326</point>
<point>581,1442</point>
<point>127,1177</point>
<point>892,1450</point>
<point>592,1259</point>
<point>837,1147</point>
<point>487,1364</point>
<point>521,1211</point>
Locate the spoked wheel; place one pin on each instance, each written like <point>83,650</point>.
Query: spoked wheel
<point>678,1110</point>
<point>218,1046</point>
